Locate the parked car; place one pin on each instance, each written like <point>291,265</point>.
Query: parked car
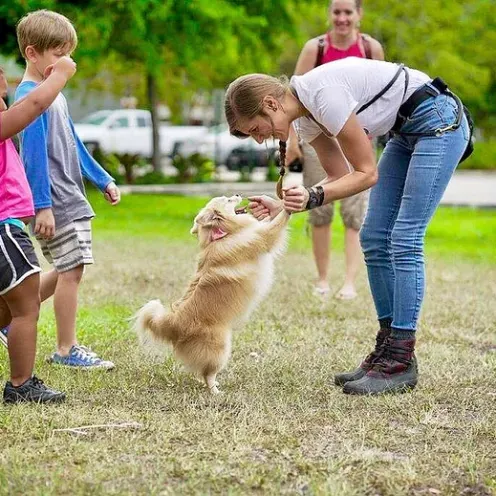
<point>250,158</point>
<point>218,144</point>
<point>130,131</point>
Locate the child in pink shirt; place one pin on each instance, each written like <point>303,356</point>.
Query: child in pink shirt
<point>19,268</point>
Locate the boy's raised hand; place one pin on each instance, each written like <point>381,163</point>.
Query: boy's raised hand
<point>112,194</point>
<point>44,226</point>
<point>64,66</point>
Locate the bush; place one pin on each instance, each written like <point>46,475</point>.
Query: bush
<point>110,163</point>
<point>483,157</point>
<point>272,171</point>
<point>245,174</point>
<point>121,166</point>
<point>155,178</point>
<point>195,168</point>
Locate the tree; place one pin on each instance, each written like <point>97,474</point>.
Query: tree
<point>168,49</point>
<point>184,43</point>
<point>450,38</point>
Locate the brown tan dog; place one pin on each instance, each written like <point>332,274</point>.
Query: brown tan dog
<point>234,272</point>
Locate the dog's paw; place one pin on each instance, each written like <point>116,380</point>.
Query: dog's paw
<point>215,390</point>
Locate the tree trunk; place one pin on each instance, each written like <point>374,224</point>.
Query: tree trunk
<point>152,100</point>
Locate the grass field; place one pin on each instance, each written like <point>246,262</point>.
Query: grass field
<point>280,426</point>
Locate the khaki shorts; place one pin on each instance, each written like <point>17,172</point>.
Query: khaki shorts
<point>70,247</point>
<point>352,210</point>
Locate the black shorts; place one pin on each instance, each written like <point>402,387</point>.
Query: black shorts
<point>17,257</point>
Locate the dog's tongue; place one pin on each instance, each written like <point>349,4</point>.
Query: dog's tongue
<point>217,233</point>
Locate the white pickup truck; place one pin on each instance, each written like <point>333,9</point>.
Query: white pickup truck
<point>130,131</point>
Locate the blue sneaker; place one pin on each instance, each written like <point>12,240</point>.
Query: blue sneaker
<point>80,357</point>
<point>3,336</point>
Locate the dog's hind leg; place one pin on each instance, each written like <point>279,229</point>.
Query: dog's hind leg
<point>212,383</point>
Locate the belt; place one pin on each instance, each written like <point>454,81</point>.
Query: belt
<point>421,95</point>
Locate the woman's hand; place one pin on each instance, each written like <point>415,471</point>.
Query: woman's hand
<point>264,206</point>
<point>295,199</point>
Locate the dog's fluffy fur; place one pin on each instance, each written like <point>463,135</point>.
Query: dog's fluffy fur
<point>234,272</point>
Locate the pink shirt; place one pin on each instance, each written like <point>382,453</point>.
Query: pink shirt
<point>332,53</point>
<point>16,201</point>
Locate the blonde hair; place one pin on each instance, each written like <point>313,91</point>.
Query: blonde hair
<point>45,30</point>
<point>244,97</point>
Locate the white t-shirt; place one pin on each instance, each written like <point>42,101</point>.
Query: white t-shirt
<point>332,91</point>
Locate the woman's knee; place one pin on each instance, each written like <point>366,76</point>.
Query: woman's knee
<point>370,239</point>
<point>406,243</point>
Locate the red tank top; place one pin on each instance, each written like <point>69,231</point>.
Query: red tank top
<point>333,53</point>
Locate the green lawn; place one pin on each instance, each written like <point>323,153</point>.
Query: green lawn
<point>279,427</point>
<point>454,232</point>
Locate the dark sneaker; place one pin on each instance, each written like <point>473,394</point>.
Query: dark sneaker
<point>365,366</point>
<point>33,390</point>
<point>3,336</point>
<point>394,371</point>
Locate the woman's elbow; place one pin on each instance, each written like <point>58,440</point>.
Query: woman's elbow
<point>371,178</point>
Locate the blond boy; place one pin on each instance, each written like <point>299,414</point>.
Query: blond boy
<point>56,162</point>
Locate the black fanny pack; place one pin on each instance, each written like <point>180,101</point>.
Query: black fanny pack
<point>425,92</point>
<point>419,96</point>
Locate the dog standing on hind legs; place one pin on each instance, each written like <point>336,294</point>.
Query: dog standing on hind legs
<point>234,272</point>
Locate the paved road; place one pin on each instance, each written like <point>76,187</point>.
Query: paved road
<point>466,188</point>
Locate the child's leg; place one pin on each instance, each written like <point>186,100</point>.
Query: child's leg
<point>23,303</point>
<point>65,306</point>
<point>48,284</point>
<point>5,316</point>
<point>47,288</point>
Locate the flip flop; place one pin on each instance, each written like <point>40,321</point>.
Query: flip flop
<point>322,292</point>
<point>340,295</point>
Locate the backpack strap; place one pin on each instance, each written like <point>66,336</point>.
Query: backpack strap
<point>320,52</point>
<point>401,68</point>
<point>367,46</point>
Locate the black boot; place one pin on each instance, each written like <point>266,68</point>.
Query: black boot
<point>394,371</point>
<point>364,367</point>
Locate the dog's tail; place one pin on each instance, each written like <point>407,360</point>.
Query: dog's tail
<point>153,326</point>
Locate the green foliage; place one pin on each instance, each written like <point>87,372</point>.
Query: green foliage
<point>454,39</point>
<point>155,178</point>
<point>272,171</point>
<point>454,232</point>
<point>110,163</point>
<point>188,45</point>
<point>483,157</point>
<point>245,174</point>
<point>195,168</point>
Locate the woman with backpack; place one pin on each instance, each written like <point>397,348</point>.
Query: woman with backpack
<point>336,108</point>
<point>343,40</point>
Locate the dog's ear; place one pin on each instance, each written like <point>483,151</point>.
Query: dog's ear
<point>206,218</point>
<point>194,229</point>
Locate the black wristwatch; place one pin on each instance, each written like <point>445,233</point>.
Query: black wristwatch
<point>315,197</point>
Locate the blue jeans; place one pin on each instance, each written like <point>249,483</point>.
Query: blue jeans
<point>413,175</point>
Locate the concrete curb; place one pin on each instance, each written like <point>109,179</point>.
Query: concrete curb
<point>467,188</point>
